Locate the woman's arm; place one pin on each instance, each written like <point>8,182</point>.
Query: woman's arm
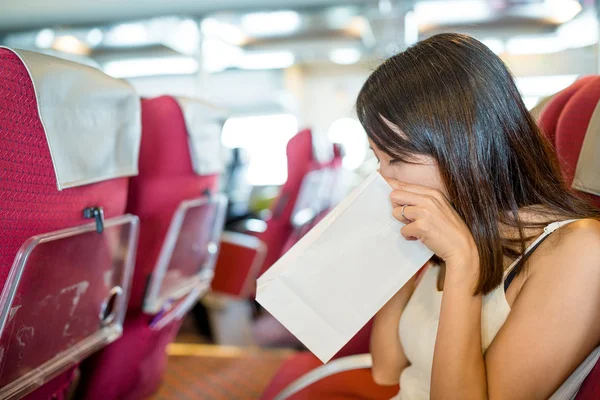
<point>458,365</point>
<point>388,356</point>
<point>553,324</point>
<point>552,327</point>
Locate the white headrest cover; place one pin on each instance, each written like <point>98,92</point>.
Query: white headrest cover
<point>322,148</point>
<point>203,124</point>
<point>587,175</point>
<point>92,121</point>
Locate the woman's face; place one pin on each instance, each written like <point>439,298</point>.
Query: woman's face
<point>424,171</point>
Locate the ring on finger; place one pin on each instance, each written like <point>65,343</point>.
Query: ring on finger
<point>402,212</point>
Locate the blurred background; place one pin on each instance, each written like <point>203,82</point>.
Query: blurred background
<point>278,66</point>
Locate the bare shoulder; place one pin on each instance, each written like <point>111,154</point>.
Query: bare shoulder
<point>573,249</point>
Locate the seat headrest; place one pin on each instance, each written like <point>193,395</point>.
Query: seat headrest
<point>92,121</point>
<point>322,149</point>
<point>587,174</point>
<point>204,123</point>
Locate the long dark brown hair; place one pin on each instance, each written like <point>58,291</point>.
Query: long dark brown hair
<point>455,101</point>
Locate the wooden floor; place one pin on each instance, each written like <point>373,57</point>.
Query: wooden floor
<point>202,371</point>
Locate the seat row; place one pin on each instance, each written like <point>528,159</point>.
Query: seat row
<point>111,225</point>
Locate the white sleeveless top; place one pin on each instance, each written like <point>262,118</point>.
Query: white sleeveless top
<point>419,325</point>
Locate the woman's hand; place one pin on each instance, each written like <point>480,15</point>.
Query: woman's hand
<point>430,218</point>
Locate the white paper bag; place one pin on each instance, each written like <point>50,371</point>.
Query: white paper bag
<point>334,280</point>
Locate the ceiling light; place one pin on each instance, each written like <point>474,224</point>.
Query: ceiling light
<point>227,32</point>
<point>151,66</point>
<point>184,37</point>
<point>271,23</point>
<point>344,56</point>
<point>94,37</point>
<point>267,60</point>
<point>70,44</point>
<point>561,11</point>
<point>385,7</point>
<point>451,11</point>
<point>218,55</point>
<point>338,17</point>
<point>44,38</point>
<point>358,26</point>
<point>127,35</point>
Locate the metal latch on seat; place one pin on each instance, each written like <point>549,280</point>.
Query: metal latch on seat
<point>98,214</point>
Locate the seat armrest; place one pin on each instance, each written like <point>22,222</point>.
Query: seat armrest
<point>239,263</point>
<point>359,361</point>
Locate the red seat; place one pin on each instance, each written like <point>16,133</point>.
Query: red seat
<point>169,176</point>
<point>551,112</point>
<point>240,262</point>
<point>571,127</point>
<point>279,227</point>
<point>30,203</point>
<point>355,385</point>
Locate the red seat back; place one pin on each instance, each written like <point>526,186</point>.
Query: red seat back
<point>571,129</point>
<point>166,178</point>
<point>550,114</point>
<point>279,227</point>
<point>572,126</point>
<point>30,203</point>
<point>565,120</point>
<point>133,366</point>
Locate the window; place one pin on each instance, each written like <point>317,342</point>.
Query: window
<point>265,137</point>
<point>350,134</point>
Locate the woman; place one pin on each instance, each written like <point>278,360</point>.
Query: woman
<point>475,181</point>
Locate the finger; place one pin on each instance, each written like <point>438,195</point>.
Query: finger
<point>411,213</point>
<point>415,230</point>
<point>402,197</point>
<point>433,196</point>
<point>424,191</point>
